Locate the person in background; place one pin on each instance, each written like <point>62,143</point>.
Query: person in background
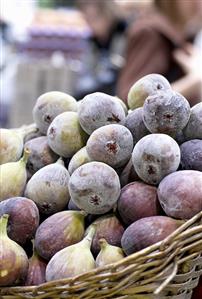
<point>158,44</point>
<point>107,41</point>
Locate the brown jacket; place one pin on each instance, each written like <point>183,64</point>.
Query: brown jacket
<point>151,42</point>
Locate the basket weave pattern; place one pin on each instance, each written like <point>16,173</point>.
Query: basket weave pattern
<point>168,269</point>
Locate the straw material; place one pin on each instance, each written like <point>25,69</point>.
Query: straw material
<point>169,269</point>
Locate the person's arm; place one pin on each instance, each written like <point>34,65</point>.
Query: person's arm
<point>191,84</point>
<point>147,52</point>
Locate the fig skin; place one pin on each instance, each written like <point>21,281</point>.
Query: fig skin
<point>94,187</point>
<point>13,178</point>
<point>166,112</point>
<point>111,144</point>
<point>23,218</point>
<point>65,135</point>
<point>81,157</point>
<point>13,259</point>
<point>134,122</point>
<point>99,109</point>
<point>155,156</point>
<point>128,174</point>
<point>108,254</point>
<point>145,87</point>
<point>193,129</point>
<point>72,261</point>
<point>147,231</point>
<point>138,200</point>
<point>49,105</point>
<point>191,155</point>
<point>59,231</point>
<point>37,270</point>
<point>40,154</point>
<point>48,188</point>
<point>108,227</point>
<point>180,194</point>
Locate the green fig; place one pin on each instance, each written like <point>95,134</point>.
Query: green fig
<point>81,157</point>
<point>11,143</point>
<point>13,177</point>
<point>72,260</point>
<point>13,259</point>
<point>37,269</point>
<point>108,254</point>
<point>48,188</point>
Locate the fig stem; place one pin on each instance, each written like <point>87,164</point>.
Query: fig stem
<point>60,161</point>
<point>3,225</point>
<point>25,130</point>
<point>25,157</point>
<point>103,243</point>
<point>90,234</point>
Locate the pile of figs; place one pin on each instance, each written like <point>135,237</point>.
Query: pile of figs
<point>93,181</point>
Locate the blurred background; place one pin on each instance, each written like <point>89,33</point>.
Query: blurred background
<point>83,46</point>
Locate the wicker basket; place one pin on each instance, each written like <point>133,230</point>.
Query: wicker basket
<point>167,269</point>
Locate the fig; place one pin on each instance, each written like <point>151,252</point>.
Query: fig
<point>134,122</point>
<point>13,259</point>
<point>128,174</point>
<point>13,177</point>
<point>48,188</point>
<point>59,231</point>
<point>37,269</point>
<point>108,227</point>
<point>138,200</point>
<point>193,129</point>
<point>94,187</point>
<point>49,105</point>
<point>23,218</point>
<point>72,260</point>
<point>99,109</point>
<point>145,87</point>
<point>65,135</point>
<point>111,144</point>
<point>11,143</point>
<point>120,101</point>
<point>147,231</point>
<point>191,155</point>
<point>155,156</point>
<point>40,154</point>
<point>79,158</point>
<point>166,111</point>
<point>108,254</point>
<point>180,194</point>
<point>72,206</point>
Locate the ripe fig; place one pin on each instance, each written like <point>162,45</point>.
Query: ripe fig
<point>40,154</point>
<point>13,259</point>
<point>72,260</point>
<point>166,112</point>
<point>13,177</point>
<point>138,200</point>
<point>128,174</point>
<point>191,155</point>
<point>23,218</point>
<point>59,231</point>
<point>94,187</point>
<point>81,157</point>
<point>193,129</point>
<point>111,144</point>
<point>11,143</point>
<point>65,135</point>
<point>108,227</point>
<point>48,188</point>
<point>147,231</point>
<point>134,122</point>
<point>99,109</point>
<point>180,194</point>
<point>72,206</point>
<point>49,105</point>
<point>108,254</point>
<point>37,270</point>
<point>145,87</point>
<point>155,156</point>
